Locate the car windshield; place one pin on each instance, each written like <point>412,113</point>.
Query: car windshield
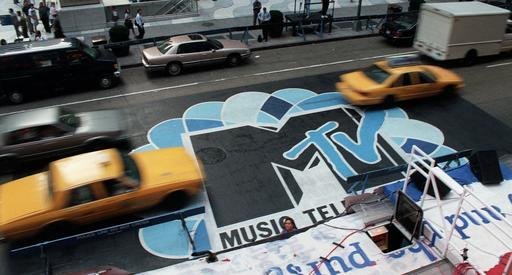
<point>130,168</point>
<point>407,21</point>
<point>216,43</point>
<point>164,47</point>
<point>376,74</point>
<point>69,118</point>
<point>93,53</point>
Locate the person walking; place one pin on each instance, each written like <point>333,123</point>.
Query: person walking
<point>256,8</point>
<point>139,22</point>
<point>53,12</point>
<point>44,15</point>
<point>33,17</point>
<point>57,28</point>
<point>15,22</point>
<point>23,24</point>
<point>25,9</point>
<point>115,15</point>
<point>128,23</point>
<point>264,20</point>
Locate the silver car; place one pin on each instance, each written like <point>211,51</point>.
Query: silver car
<point>193,49</point>
<point>43,134</point>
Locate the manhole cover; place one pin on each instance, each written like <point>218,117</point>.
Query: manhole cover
<point>211,155</point>
<point>207,24</point>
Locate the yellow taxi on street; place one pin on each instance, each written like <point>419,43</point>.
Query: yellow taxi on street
<point>95,186</point>
<point>396,79</point>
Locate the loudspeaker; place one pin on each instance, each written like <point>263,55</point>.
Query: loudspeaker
<point>419,180</point>
<point>486,167</point>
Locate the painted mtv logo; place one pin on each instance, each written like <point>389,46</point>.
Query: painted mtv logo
<point>261,171</point>
<point>286,153</point>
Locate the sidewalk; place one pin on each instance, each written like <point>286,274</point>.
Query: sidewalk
<point>340,30</point>
<point>222,14</point>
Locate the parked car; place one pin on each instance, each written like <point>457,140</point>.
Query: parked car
<point>56,132</point>
<point>95,186</point>
<point>39,67</point>
<point>400,29</point>
<point>396,79</point>
<point>193,49</point>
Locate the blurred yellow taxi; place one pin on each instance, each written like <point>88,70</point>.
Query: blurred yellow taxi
<point>95,186</point>
<point>397,79</point>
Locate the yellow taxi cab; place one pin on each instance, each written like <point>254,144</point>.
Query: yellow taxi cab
<point>396,79</point>
<point>95,186</point>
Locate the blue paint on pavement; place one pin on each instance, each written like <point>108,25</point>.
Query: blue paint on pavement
<point>276,107</point>
<point>323,101</point>
<point>425,146</point>
<point>202,124</point>
<point>365,147</point>
<point>206,110</point>
<point>167,133</point>
<point>265,118</point>
<point>294,95</point>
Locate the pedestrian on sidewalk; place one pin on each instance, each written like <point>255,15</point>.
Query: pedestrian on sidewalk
<point>115,15</point>
<point>57,28</point>
<point>139,22</point>
<point>44,15</point>
<point>25,9</point>
<point>15,22</point>
<point>53,12</point>
<point>33,17</point>
<point>128,23</point>
<point>256,8</point>
<point>325,7</point>
<point>264,20</point>
<point>23,24</point>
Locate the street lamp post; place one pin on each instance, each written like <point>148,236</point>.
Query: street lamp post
<point>357,25</point>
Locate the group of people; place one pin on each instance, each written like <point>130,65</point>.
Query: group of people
<point>262,16</point>
<point>26,20</point>
<point>129,22</point>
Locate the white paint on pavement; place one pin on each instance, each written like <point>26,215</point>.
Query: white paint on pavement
<point>499,65</point>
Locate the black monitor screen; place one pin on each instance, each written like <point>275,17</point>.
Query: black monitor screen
<point>408,214</point>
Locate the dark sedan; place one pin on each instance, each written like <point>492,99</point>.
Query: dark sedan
<point>43,134</point>
<point>400,29</point>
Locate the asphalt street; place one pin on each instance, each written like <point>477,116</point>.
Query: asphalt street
<point>478,118</point>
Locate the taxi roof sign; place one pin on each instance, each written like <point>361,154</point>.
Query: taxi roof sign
<point>403,60</point>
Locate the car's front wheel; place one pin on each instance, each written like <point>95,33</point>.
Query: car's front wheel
<point>448,91</point>
<point>389,101</point>
<point>57,229</point>
<point>234,60</point>
<point>97,144</point>
<point>8,163</point>
<point>106,81</point>
<point>15,97</point>
<point>176,200</point>
<point>174,68</point>
<point>470,58</point>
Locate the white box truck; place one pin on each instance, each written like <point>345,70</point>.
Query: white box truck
<point>467,30</point>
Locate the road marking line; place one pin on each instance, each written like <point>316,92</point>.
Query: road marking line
<point>498,65</point>
<point>211,81</point>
